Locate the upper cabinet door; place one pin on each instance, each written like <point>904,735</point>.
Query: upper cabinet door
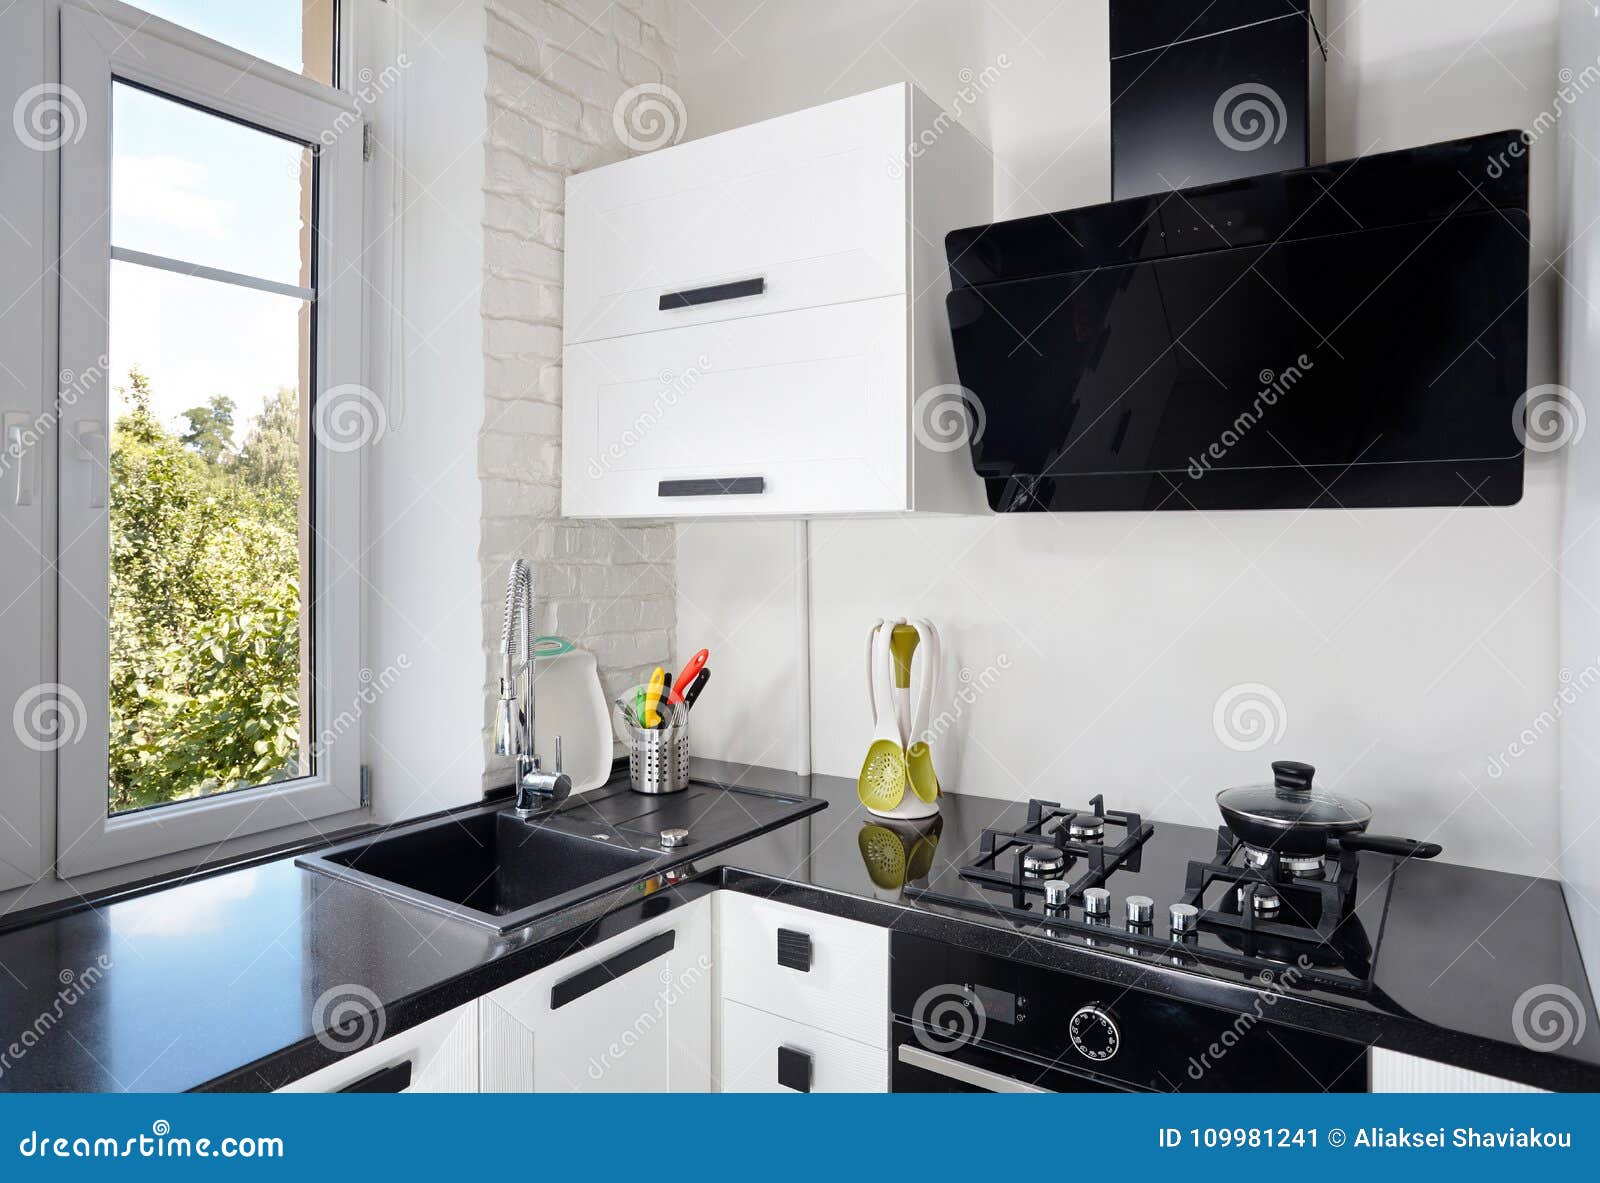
<point>797,212</point>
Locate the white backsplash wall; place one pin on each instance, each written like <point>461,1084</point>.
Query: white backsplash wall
<point>1408,648</point>
<point>556,74</point>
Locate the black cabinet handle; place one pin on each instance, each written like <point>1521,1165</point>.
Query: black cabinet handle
<point>396,1078</point>
<point>794,1069</point>
<point>589,980</point>
<point>710,295</point>
<point>720,486</point>
<point>794,950</point>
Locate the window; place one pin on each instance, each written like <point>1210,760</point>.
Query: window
<point>298,35</point>
<point>210,324</point>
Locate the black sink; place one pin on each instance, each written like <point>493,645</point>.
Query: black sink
<point>490,867</point>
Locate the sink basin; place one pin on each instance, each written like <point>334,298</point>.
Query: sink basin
<point>487,866</point>
<point>490,867</point>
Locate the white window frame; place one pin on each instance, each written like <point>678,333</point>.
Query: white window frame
<point>99,42</point>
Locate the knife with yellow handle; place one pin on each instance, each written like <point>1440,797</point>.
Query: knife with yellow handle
<point>652,697</point>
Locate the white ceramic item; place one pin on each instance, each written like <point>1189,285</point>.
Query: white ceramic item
<point>572,704</point>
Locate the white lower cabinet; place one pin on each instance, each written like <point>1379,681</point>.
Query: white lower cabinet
<point>631,1014</point>
<point>438,1056</point>
<point>804,999</point>
<point>762,1053</point>
<point>1396,1072</point>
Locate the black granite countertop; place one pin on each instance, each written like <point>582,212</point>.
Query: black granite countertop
<point>213,983</point>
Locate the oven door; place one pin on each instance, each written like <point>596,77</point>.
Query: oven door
<point>916,1067</point>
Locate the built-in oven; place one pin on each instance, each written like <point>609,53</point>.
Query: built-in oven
<point>969,1022</point>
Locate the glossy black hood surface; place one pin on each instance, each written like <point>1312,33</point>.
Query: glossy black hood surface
<point>1351,334</point>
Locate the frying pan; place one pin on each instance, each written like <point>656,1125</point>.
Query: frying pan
<point>1292,818</point>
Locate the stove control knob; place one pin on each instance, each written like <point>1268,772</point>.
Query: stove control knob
<point>1056,892</point>
<point>1096,901</point>
<point>1183,917</point>
<point>1141,909</point>
<point>1094,1033</point>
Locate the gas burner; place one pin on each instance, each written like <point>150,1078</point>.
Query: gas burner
<point>1297,899</point>
<point>1053,839</point>
<point>1304,867</point>
<point>1087,828</point>
<point>1043,862</point>
<point>1263,900</point>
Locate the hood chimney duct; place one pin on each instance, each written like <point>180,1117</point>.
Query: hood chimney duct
<point>1206,92</point>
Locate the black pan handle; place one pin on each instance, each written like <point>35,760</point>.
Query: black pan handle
<point>1384,844</point>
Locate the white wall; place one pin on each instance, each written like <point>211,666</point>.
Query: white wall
<point>1407,646</point>
<point>425,495</point>
<point>1580,370</point>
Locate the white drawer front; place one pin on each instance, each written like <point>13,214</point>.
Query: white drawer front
<point>813,403</point>
<point>846,989</point>
<point>811,204</point>
<point>442,1053</point>
<point>751,1040</point>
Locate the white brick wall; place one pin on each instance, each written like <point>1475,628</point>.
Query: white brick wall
<point>555,73</point>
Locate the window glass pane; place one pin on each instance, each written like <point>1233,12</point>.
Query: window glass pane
<point>210,678</point>
<point>197,187</point>
<point>295,34</point>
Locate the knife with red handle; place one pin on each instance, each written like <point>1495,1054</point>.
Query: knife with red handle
<point>690,672</point>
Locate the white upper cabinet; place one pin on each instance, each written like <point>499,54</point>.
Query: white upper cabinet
<point>752,317</point>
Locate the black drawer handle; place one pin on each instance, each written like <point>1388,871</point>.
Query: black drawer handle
<point>711,295</point>
<point>396,1078</point>
<point>794,950</point>
<point>720,486</point>
<point>794,1069</point>
<point>589,980</point>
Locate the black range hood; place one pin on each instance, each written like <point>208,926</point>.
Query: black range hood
<point>1351,334</point>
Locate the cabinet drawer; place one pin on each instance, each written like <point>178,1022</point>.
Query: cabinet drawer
<point>764,1053</point>
<point>438,1056</point>
<point>839,983</point>
<point>811,205</point>
<point>799,412</point>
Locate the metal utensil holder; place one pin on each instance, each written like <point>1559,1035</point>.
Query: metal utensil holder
<point>658,758</point>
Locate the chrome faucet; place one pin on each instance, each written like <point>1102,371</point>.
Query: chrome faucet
<point>537,791</point>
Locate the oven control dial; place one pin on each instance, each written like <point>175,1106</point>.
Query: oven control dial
<point>1094,1033</point>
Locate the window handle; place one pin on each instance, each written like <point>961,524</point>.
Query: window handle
<point>18,456</point>
<point>92,444</point>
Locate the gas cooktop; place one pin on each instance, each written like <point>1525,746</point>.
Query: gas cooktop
<point>1110,880</point>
